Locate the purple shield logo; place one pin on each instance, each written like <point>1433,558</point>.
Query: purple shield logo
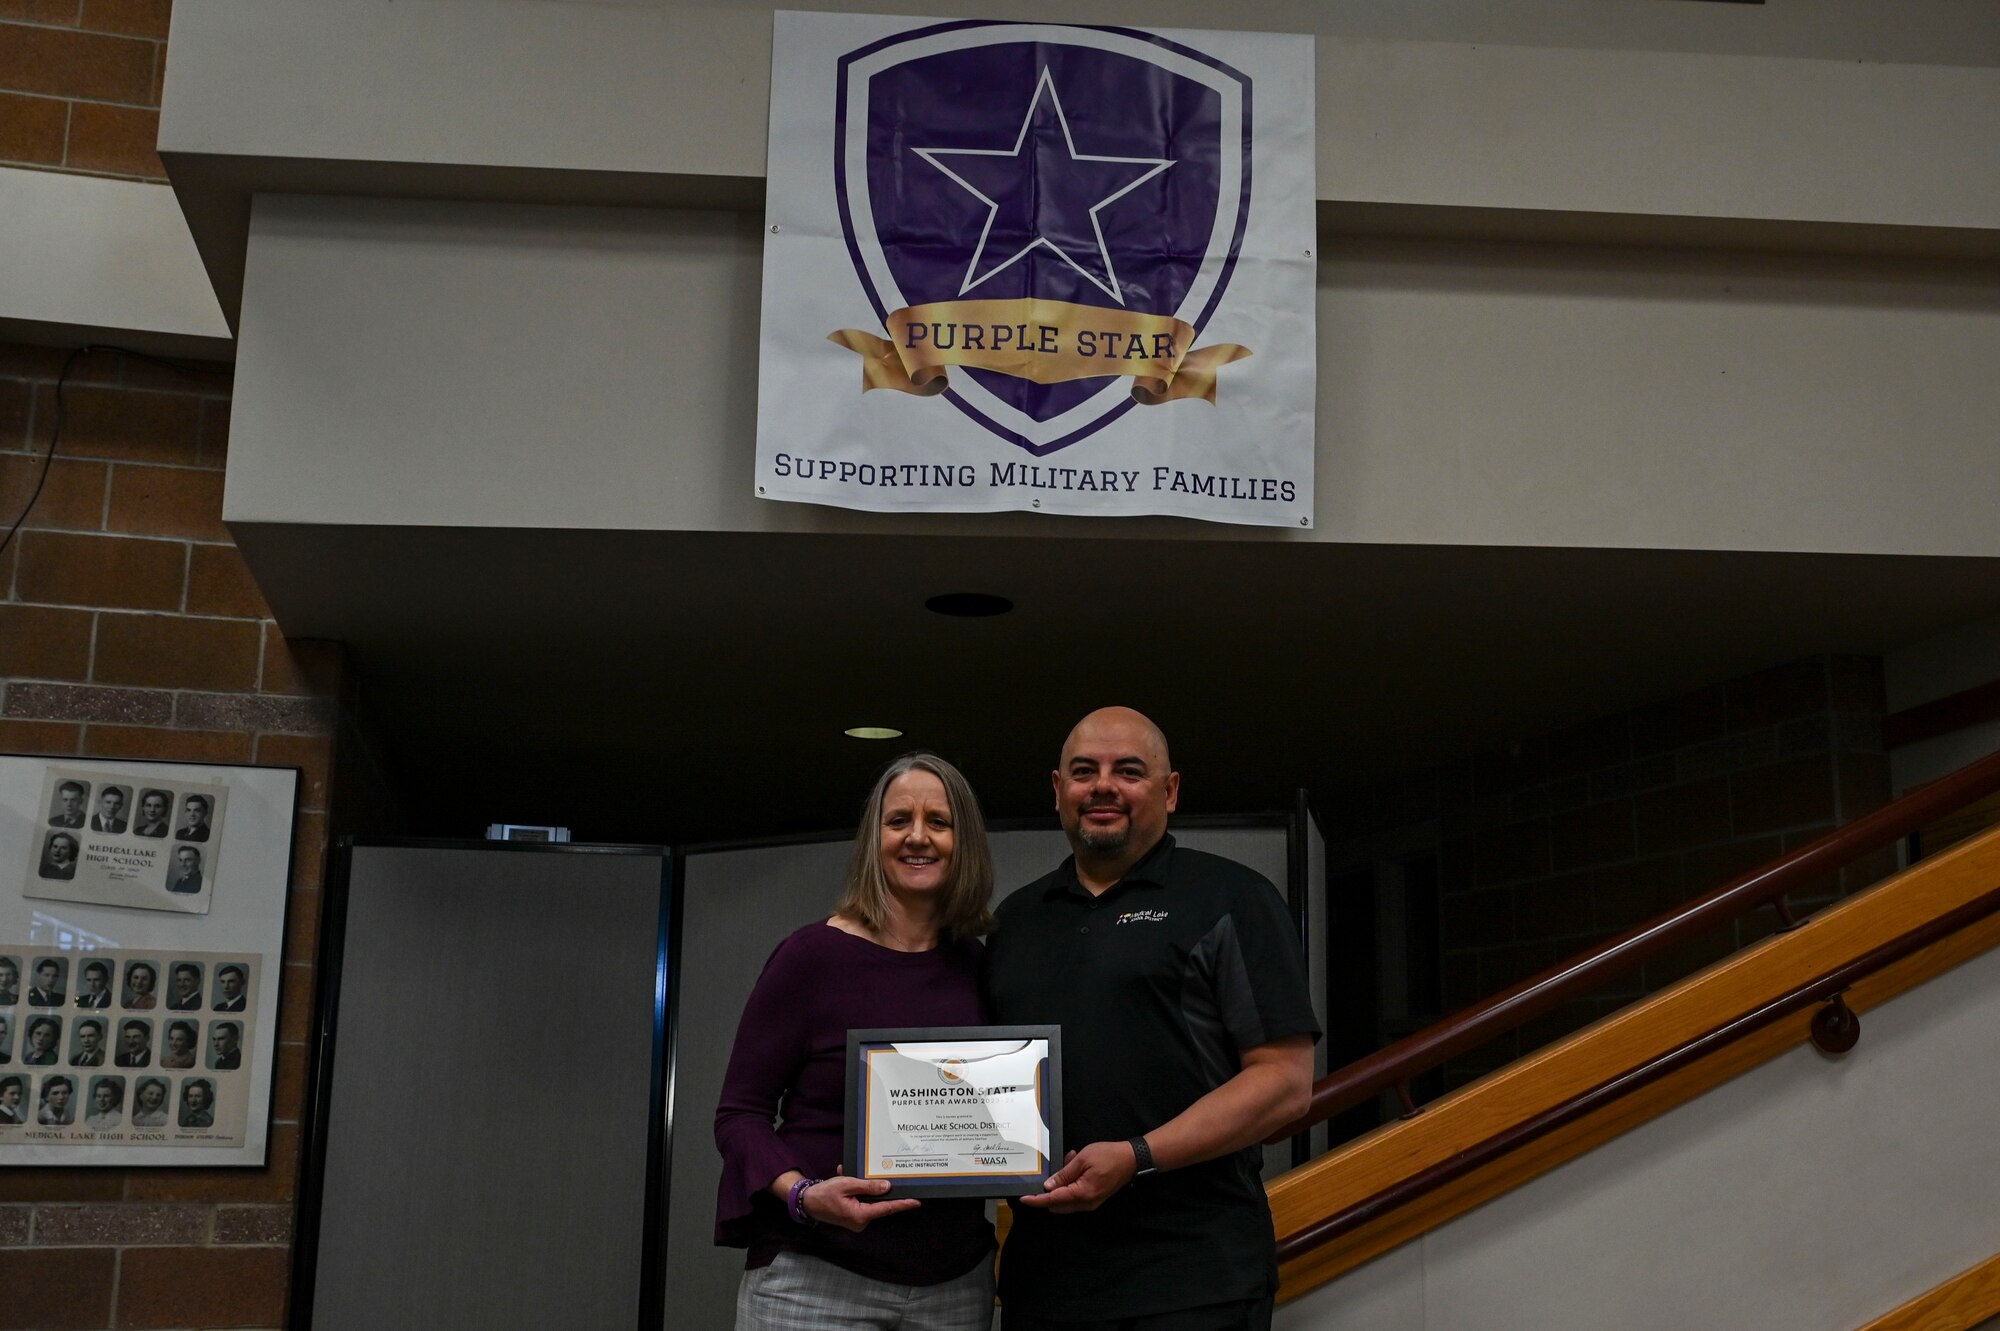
<point>1052,212</point>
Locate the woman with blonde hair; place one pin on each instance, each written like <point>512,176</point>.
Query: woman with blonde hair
<point>900,949</point>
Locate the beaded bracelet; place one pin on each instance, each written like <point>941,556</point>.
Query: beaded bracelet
<point>797,1203</point>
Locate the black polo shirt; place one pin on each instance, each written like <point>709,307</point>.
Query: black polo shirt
<point>1157,985</point>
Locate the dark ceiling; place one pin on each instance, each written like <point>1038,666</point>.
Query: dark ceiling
<point>675,686</point>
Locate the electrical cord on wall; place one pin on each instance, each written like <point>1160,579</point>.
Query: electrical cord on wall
<point>55,433</point>
<point>48,459</point>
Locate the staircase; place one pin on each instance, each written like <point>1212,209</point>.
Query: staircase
<point>1801,1136</point>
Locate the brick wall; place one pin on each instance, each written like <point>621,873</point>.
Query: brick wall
<point>1551,844</point>
<point>80,85</point>
<point>130,628</point>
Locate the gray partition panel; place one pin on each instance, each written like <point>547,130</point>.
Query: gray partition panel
<point>737,905</point>
<point>489,1116</point>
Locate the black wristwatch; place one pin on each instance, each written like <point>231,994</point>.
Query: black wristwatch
<point>1144,1154</point>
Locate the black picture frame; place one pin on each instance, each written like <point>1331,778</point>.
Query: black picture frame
<point>860,1041</point>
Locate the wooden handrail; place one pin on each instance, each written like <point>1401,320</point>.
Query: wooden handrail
<point>1516,1135</point>
<point>1371,1195</point>
<point>1398,1063</point>
<point>1965,1300</point>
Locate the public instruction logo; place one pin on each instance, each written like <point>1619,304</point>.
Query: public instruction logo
<point>1044,219</point>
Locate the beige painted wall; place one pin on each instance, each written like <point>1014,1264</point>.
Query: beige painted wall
<point>515,365</point>
<point>1702,118</point>
<point>110,257</point>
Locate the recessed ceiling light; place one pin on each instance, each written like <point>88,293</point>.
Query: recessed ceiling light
<point>872,732</point>
<point>969,605</point>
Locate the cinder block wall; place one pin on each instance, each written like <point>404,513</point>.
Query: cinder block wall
<point>130,628</point>
<point>1552,843</point>
<point>80,85</point>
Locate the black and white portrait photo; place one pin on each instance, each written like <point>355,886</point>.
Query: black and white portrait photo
<point>59,852</point>
<point>114,804</point>
<point>95,989</point>
<point>225,1046</point>
<point>181,1037</point>
<point>184,875</point>
<point>196,810</point>
<point>230,983</point>
<point>184,987</point>
<point>41,1041</point>
<point>154,817</point>
<point>105,1109</point>
<point>50,976</point>
<point>57,1107</point>
<point>67,810</point>
<point>142,984</point>
<point>87,1044</point>
<point>13,1101</point>
<point>10,981</point>
<point>149,1102</point>
<point>135,1043</point>
<point>197,1103</point>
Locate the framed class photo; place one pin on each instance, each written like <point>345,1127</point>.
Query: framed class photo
<point>142,922</point>
<point>955,1111</point>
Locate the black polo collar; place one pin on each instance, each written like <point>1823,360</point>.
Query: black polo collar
<point>1152,870</point>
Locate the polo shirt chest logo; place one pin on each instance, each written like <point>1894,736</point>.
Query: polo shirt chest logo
<point>1141,917</point>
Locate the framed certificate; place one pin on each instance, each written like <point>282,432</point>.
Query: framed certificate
<point>955,1111</point>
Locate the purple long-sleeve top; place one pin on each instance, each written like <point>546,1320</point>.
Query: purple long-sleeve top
<point>782,1100</point>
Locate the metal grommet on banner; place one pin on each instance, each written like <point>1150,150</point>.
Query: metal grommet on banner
<point>1305,522</point>
<point>775,228</point>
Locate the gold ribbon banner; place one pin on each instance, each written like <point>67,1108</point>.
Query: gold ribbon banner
<point>1048,341</point>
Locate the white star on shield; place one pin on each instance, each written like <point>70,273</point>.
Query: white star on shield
<point>1108,283</point>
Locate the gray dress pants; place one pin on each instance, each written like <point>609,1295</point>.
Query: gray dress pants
<point>800,1293</point>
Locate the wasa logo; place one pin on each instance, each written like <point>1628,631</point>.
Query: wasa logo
<point>1141,917</point>
<point>951,1070</point>
<point>1044,219</point>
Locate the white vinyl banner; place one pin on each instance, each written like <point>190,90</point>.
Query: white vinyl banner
<point>1036,266</point>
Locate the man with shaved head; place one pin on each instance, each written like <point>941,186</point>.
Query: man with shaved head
<point>1178,982</point>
